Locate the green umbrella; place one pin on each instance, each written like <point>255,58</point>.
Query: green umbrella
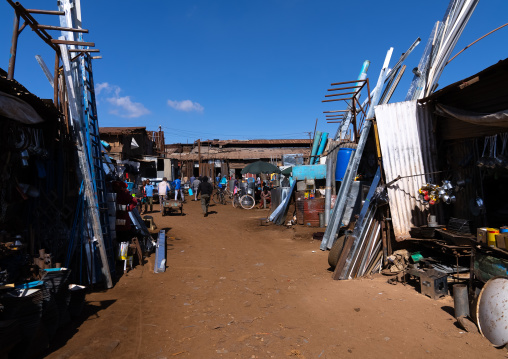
<point>260,167</point>
<point>287,171</point>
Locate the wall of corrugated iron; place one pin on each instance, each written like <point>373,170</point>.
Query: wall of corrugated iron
<point>408,149</point>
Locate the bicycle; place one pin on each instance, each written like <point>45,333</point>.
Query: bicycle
<point>246,201</point>
<point>222,196</point>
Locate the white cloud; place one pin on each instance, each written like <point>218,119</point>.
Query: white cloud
<point>186,105</point>
<point>121,106</point>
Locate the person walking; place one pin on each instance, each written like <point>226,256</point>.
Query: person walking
<point>195,185</point>
<point>148,196</point>
<point>205,189</point>
<point>178,189</point>
<point>163,192</point>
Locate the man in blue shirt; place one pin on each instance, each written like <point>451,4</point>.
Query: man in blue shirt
<point>149,195</point>
<point>178,189</point>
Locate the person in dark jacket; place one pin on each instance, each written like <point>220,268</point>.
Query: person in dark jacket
<point>205,189</point>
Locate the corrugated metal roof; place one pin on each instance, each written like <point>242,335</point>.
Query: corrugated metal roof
<point>238,153</point>
<point>120,130</point>
<point>408,149</point>
<point>264,142</point>
<point>485,91</point>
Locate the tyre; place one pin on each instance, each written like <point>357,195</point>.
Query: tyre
<point>336,251</point>
<point>216,198</point>
<point>247,201</point>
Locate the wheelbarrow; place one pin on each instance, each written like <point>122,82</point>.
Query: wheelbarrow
<point>169,205</point>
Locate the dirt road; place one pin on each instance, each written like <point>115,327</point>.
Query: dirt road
<point>235,289</point>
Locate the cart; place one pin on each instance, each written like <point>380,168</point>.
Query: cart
<point>170,205</point>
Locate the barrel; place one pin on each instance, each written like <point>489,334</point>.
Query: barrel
<point>311,210</point>
<point>343,156</point>
<point>300,198</point>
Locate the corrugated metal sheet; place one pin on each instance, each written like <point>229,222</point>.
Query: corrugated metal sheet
<point>408,149</point>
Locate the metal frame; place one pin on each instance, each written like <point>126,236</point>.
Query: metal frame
<point>356,110</point>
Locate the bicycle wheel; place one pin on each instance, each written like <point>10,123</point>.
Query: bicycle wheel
<point>227,198</point>
<point>216,198</point>
<point>247,201</point>
<point>236,201</point>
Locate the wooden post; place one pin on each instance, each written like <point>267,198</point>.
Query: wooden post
<point>199,158</point>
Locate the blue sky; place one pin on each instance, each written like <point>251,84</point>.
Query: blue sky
<point>241,69</point>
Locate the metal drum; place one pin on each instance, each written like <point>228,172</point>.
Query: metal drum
<point>311,210</point>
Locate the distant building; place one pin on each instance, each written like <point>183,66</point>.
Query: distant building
<point>228,157</point>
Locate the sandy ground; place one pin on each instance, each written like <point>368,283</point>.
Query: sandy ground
<point>235,289</point>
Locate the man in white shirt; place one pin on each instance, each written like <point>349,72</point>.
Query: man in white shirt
<point>163,188</point>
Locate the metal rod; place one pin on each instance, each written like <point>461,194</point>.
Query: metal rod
<point>345,88</point>
<point>474,42</point>
<point>84,50</point>
<point>67,42</point>
<point>346,82</point>
<point>55,80</point>
<point>59,28</point>
<point>336,111</point>
<point>22,27</point>
<point>45,12</point>
<point>341,94</point>
<point>337,99</point>
<point>14,47</point>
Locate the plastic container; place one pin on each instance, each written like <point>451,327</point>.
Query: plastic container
<point>491,236</point>
<point>503,229</point>
<point>343,156</point>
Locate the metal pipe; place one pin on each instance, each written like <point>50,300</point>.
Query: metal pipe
<point>315,145</point>
<point>84,50</point>
<point>474,42</point>
<point>460,300</point>
<point>14,46</point>
<point>55,80</point>
<point>328,187</point>
<point>322,145</point>
<point>60,28</point>
<point>45,12</point>
<point>67,42</point>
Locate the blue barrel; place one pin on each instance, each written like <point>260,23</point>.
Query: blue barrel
<point>343,156</point>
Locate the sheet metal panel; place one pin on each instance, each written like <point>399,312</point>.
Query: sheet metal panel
<point>306,172</point>
<point>408,148</point>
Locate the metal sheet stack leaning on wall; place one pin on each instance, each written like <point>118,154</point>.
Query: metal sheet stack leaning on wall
<point>390,78</point>
<point>338,210</point>
<point>409,151</point>
<point>74,77</point>
<point>362,247</point>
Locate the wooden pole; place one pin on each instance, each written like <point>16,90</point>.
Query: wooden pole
<point>199,157</point>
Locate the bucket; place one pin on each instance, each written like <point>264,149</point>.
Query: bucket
<point>491,236</point>
<point>343,156</point>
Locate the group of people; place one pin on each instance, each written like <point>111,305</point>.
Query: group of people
<point>163,190</point>
<point>202,188</point>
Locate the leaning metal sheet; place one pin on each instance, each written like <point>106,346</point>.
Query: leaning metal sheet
<point>408,149</point>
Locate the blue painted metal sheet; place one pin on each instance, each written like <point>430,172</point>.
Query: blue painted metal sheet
<point>309,172</point>
<point>160,253</point>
